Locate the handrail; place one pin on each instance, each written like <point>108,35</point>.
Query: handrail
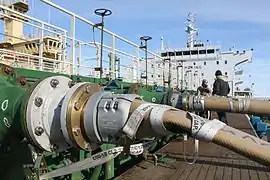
<point>30,55</point>
<point>129,58</point>
<point>92,24</point>
<point>32,18</point>
<point>36,26</point>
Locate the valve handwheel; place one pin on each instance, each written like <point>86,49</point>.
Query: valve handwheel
<point>145,38</point>
<point>103,12</point>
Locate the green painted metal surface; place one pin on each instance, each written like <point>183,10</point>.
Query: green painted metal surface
<point>9,103</point>
<point>154,97</point>
<point>32,76</point>
<point>15,153</point>
<point>11,92</point>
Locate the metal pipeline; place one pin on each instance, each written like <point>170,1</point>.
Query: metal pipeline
<point>10,98</point>
<point>217,103</point>
<point>84,117</point>
<point>178,121</point>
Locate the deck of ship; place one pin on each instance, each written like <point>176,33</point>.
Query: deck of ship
<point>214,162</point>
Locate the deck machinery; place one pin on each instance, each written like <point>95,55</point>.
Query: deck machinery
<point>76,130</point>
<point>60,126</point>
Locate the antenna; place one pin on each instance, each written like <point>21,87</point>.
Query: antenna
<point>191,30</point>
<point>162,43</point>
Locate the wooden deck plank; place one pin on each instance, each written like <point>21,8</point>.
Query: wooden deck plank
<point>253,174</point>
<point>212,170</point>
<point>195,172</point>
<point>220,169</point>
<point>236,172</point>
<point>187,172</point>
<point>244,170</point>
<point>214,162</point>
<point>263,173</point>
<point>204,170</point>
<point>178,173</point>
<point>228,169</point>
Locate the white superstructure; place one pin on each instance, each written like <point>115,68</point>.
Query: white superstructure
<point>198,61</point>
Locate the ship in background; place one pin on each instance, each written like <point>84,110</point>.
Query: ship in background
<point>198,61</point>
<point>54,49</point>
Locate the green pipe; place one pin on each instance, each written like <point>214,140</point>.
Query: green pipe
<point>96,172</point>
<point>153,146</point>
<point>109,166</point>
<point>10,99</point>
<point>124,160</point>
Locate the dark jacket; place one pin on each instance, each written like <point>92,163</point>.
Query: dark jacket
<point>203,91</point>
<point>221,87</point>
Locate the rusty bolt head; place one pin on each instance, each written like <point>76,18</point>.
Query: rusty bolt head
<point>54,82</point>
<point>8,70</point>
<point>88,89</point>
<point>77,106</point>
<point>22,81</point>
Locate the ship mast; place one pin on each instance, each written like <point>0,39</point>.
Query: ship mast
<point>191,30</point>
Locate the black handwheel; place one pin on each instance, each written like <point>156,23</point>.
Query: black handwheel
<point>145,38</point>
<point>103,12</point>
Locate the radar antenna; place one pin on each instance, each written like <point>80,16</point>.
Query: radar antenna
<point>191,30</point>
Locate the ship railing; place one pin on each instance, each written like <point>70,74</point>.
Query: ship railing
<point>114,40</point>
<point>132,71</point>
<point>75,16</point>
<point>132,65</point>
<point>23,60</point>
<point>33,22</point>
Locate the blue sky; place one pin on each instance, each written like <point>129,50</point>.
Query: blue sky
<point>244,24</point>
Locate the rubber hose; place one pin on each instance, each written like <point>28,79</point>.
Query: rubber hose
<point>178,121</point>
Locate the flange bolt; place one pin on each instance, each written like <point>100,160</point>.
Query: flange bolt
<point>54,83</point>
<point>38,101</point>
<point>39,131</point>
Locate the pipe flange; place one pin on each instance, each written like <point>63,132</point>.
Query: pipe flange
<point>43,113</point>
<point>198,103</point>
<point>72,125</point>
<point>174,99</point>
<point>90,116</point>
<point>64,111</point>
<point>190,101</point>
<point>185,100</point>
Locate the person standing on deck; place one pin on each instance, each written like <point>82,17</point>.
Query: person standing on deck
<point>221,88</point>
<point>204,90</point>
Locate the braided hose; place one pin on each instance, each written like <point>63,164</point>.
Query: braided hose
<point>237,105</point>
<point>178,121</point>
